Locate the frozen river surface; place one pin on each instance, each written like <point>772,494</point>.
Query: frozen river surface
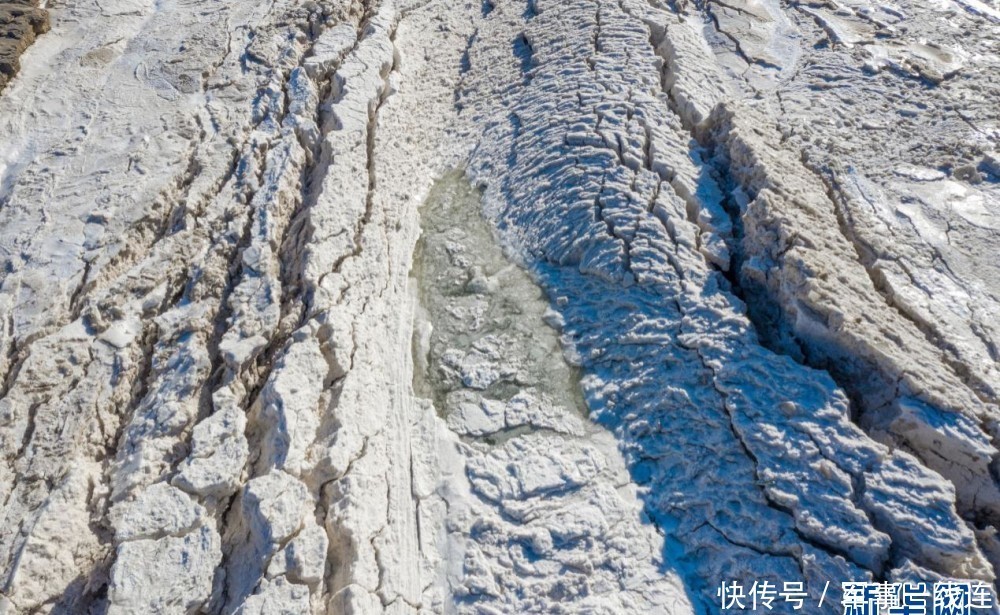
<point>513,306</point>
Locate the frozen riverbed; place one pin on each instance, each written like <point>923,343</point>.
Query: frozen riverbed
<point>714,297</point>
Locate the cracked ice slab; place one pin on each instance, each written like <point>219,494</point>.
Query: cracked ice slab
<point>207,229</point>
<point>673,364</point>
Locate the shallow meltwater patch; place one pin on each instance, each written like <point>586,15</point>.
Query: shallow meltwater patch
<point>483,351</point>
<point>537,502</point>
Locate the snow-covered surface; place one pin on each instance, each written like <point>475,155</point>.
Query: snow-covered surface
<point>502,307</point>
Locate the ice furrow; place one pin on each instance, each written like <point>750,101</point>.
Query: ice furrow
<point>193,315</point>
<point>799,321</point>
<point>582,267</point>
<point>928,395</point>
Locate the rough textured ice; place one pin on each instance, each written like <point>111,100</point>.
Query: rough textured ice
<point>514,306</point>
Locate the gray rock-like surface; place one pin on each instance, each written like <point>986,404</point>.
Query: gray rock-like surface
<point>521,306</point>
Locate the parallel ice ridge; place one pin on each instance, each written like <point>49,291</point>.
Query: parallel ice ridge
<point>885,133</point>
<point>206,400</point>
<point>156,461</point>
<point>208,212</point>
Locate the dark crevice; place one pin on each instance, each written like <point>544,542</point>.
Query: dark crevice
<point>523,50</point>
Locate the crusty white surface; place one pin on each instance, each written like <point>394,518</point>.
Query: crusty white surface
<point>765,232</point>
